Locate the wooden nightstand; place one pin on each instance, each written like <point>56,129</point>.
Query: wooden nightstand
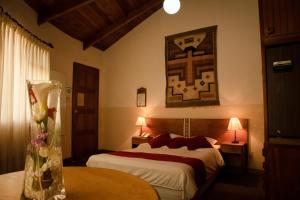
<point>136,140</point>
<point>235,156</point>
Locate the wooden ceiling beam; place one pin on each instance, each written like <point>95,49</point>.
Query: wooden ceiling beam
<point>122,22</point>
<point>60,10</point>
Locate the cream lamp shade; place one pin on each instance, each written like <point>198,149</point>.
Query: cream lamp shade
<point>171,6</point>
<point>234,125</point>
<point>141,122</point>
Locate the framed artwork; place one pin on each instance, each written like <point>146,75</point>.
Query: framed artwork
<point>141,97</point>
<point>191,68</point>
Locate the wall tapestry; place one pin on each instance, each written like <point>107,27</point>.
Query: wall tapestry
<point>191,68</point>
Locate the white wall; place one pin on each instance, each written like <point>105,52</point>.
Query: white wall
<point>138,59</point>
<point>66,51</point>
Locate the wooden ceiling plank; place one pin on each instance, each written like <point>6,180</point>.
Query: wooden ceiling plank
<point>86,17</point>
<point>124,6</point>
<point>97,8</point>
<point>60,10</point>
<point>111,9</point>
<point>77,27</point>
<point>122,22</point>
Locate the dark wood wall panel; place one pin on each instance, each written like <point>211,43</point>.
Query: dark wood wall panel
<point>282,170</point>
<point>280,21</point>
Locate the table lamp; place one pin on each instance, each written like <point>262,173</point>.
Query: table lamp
<point>234,125</point>
<point>141,122</point>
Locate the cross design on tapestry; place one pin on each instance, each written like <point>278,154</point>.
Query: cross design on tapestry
<point>191,69</point>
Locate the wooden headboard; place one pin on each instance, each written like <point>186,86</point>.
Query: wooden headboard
<point>157,126</point>
<point>215,128</point>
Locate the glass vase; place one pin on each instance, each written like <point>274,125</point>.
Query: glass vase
<point>43,168</point>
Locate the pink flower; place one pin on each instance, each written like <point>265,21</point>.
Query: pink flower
<point>40,140</point>
<point>42,136</point>
<point>37,142</point>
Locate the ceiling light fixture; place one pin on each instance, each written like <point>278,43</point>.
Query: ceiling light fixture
<point>171,6</point>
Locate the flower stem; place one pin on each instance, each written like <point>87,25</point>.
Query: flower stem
<point>39,175</point>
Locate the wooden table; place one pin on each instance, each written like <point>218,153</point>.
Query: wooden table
<point>86,183</point>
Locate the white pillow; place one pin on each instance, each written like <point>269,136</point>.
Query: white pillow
<point>216,146</point>
<point>212,141</point>
<point>182,148</point>
<point>144,146</point>
<point>173,135</point>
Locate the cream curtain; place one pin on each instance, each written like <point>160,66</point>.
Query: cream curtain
<point>22,57</point>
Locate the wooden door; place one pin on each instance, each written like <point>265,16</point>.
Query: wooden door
<point>283,91</point>
<point>84,111</point>
<point>283,172</point>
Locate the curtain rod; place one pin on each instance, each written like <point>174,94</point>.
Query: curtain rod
<point>35,36</point>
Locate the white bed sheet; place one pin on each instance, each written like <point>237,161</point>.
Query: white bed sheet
<point>178,177</point>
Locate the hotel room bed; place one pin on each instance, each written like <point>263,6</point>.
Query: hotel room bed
<point>174,180</point>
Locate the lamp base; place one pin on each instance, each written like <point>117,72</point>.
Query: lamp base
<point>235,141</point>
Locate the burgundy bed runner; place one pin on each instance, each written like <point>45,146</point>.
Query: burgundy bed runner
<point>196,164</point>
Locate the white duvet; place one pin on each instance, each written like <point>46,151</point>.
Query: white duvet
<point>171,175</point>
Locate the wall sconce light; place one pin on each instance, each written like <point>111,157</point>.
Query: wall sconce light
<point>171,6</point>
<point>141,121</point>
<point>234,125</point>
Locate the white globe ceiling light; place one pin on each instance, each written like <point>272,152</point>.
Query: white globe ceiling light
<point>171,6</point>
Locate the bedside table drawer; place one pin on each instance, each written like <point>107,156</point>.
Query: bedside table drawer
<point>231,149</point>
<point>232,160</point>
<point>136,140</point>
<point>235,157</point>
<point>139,140</point>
